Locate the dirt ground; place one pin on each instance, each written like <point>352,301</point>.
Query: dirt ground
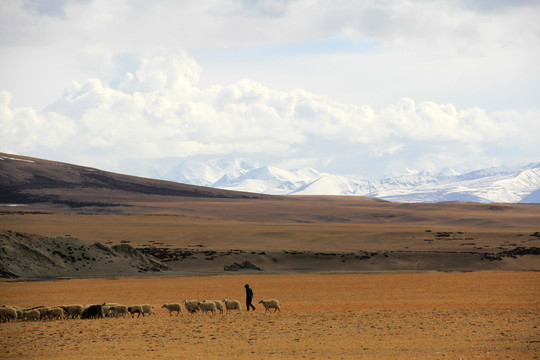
<point>486,315</point>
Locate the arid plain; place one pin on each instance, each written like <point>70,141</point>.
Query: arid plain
<point>340,316</point>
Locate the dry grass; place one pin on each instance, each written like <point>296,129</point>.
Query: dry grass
<point>350,316</point>
<point>309,224</point>
<point>319,224</point>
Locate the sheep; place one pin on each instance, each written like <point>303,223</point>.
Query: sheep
<point>192,306</point>
<point>270,304</point>
<point>108,309</point>
<point>73,311</point>
<point>118,310</point>
<point>105,309</point>
<point>136,309</point>
<point>19,312</point>
<point>31,315</point>
<point>92,312</point>
<point>232,305</point>
<point>219,306</point>
<point>55,313</point>
<point>43,312</point>
<point>7,313</point>
<point>148,309</point>
<point>173,307</point>
<point>207,306</point>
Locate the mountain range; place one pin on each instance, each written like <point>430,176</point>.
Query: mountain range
<point>517,184</point>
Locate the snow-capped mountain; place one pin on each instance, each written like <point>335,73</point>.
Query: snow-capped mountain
<point>208,173</point>
<point>270,180</point>
<point>497,184</point>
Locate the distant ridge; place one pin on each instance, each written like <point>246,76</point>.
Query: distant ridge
<point>497,184</point>
<point>31,180</point>
<point>26,180</point>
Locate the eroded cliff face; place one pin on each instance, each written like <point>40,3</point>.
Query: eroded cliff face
<point>36,256</point>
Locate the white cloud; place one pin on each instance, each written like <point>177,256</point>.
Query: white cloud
<point>159,112</point>
<point>466,73</point>
<point>435,122</point>
<point>172,73</point>
<point>468,54</point>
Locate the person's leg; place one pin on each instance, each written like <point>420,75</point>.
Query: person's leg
<point>249,304</point>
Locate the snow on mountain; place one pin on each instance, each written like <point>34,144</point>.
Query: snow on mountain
<point>489,185</point>
<point>329,184</point>
<point>271,180</point>
<point>498,184</point>
<point>208,173</point>
<point>513,188</point>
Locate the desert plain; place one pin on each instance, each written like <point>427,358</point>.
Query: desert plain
<point>482,315</point>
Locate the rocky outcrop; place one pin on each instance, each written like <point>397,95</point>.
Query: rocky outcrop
<point>246,265</point>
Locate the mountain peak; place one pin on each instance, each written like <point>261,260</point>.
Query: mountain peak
<point>496,184</point>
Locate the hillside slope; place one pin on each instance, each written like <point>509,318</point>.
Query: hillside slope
<point>26,180</point>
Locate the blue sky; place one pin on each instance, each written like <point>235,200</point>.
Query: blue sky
<point>363,88</point>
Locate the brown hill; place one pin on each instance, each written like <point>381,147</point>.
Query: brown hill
<point>25,180</point>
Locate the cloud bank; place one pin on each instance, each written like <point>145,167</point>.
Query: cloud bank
<point>363,88</point>
<point>159,112</point>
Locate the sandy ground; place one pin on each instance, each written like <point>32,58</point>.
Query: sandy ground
<point>487,315</point>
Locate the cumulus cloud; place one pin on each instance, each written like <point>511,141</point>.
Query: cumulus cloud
<point>176,74</point>
<point>441,122</point>
<point>159,112</point>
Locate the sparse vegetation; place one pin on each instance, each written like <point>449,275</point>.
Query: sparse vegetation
<point>391,316</point>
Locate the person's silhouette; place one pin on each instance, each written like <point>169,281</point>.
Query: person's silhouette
<point>249,298</point>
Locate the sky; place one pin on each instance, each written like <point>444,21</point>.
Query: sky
<point>369,89</point>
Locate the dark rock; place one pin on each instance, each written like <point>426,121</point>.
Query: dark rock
<point>246,265</point>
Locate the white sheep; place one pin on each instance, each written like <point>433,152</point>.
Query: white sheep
<point>173,307</point>
<point>270,304</point>
<point>148,309</point>
<point>31,315</point>
<point>7,313</point>
<point>232,305</point>
<point>55,313</point>
<point>192,306</point>
<point>19,312</point>
<point>73,311</point>
<point>208,305</point>
<point>219,306</point>
<point>109,309</point>
<point>118,310</point>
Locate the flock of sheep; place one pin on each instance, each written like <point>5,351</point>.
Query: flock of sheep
<point>14,313</point>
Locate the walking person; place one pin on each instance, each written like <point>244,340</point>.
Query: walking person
<point>249,297</point>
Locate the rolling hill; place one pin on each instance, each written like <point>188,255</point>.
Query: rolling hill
<point>25,180</point>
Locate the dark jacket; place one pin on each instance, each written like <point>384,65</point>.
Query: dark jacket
<point>249,293</point>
